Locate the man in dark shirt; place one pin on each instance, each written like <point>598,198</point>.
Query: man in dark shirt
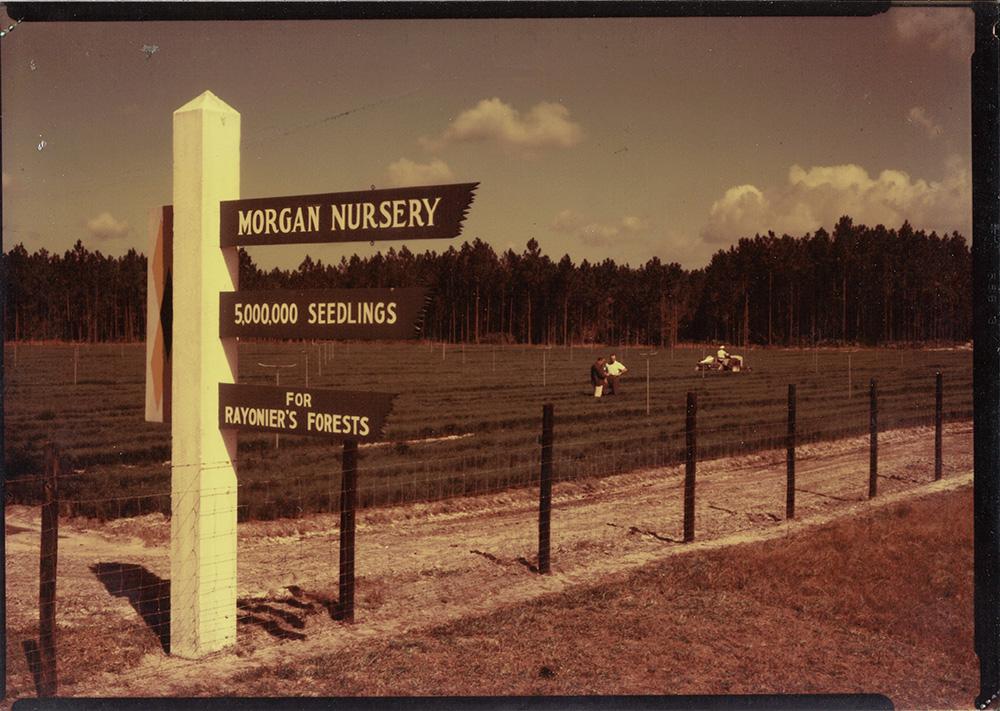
<point>598,376</point>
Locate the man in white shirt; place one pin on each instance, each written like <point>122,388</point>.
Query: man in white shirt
<point>616,369</point>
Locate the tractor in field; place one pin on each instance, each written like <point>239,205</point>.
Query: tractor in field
<point>730,363</point>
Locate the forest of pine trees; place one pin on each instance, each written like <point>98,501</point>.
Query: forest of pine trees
<point>857,284</point>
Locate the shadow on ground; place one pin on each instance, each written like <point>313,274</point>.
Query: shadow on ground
<point>281,617</point>
<point>148,594</point>
<point>30,647</point>
<point>285,617</point>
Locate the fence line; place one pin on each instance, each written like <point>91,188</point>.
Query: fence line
<point>823,468</point>
<point>502,475</point>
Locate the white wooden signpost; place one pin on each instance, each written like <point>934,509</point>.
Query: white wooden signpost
<point>195,315</point>
<point>203,471</point>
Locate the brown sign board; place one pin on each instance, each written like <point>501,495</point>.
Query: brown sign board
<point>419,212</point>
<point>318,412</point>
<point>323,314</point>
<point>159,314</point>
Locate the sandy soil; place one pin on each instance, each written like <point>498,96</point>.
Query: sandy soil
<point>421,565</point>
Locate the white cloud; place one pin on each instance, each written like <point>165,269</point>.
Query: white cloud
<point>634,224</point>
<point>600,234</point>
<point>919,117</point>
<point>943,29</point>
<point>406,172</point>
<point>817,197</point>
<point>567,221</point>
<point>106,227</point>
<point>545,125</point>
<point>742,205</point>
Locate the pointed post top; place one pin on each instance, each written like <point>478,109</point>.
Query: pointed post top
<point>207,101</point>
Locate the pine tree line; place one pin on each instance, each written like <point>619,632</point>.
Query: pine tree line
<point>857,284</point>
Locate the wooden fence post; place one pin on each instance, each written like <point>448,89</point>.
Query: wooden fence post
<point>692,456</point>
<point>47,576</point>
<point>938,425</point>
<point>348,504</point>
<point>873,429</point>
<point>790,457</point>
<point>545,490</point>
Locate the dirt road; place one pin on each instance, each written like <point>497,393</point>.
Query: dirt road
<point>421,565</point>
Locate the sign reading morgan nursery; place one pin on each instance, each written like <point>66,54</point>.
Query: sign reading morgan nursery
<point>424,212</point>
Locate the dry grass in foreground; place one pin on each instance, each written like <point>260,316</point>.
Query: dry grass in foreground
<point>878,603</point>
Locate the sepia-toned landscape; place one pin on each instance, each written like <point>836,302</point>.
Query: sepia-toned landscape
<point>489,357</point>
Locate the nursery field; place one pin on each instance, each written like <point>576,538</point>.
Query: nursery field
<point>467,419</point>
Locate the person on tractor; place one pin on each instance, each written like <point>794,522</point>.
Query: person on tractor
<point>722,356</point>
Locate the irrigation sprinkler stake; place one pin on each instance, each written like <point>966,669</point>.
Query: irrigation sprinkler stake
<point>277,381</point>
<point>647,386</point>
<point>938,425</point>
<point>850,387</point>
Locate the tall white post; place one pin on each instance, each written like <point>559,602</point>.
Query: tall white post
<point>203,473</point>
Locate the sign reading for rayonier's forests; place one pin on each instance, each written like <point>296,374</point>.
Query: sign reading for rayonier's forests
<point>335,414</point>
<point>324,314</point>
<point>424,212</point>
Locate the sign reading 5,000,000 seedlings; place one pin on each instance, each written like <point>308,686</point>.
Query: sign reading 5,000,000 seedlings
<point>323,314</point>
